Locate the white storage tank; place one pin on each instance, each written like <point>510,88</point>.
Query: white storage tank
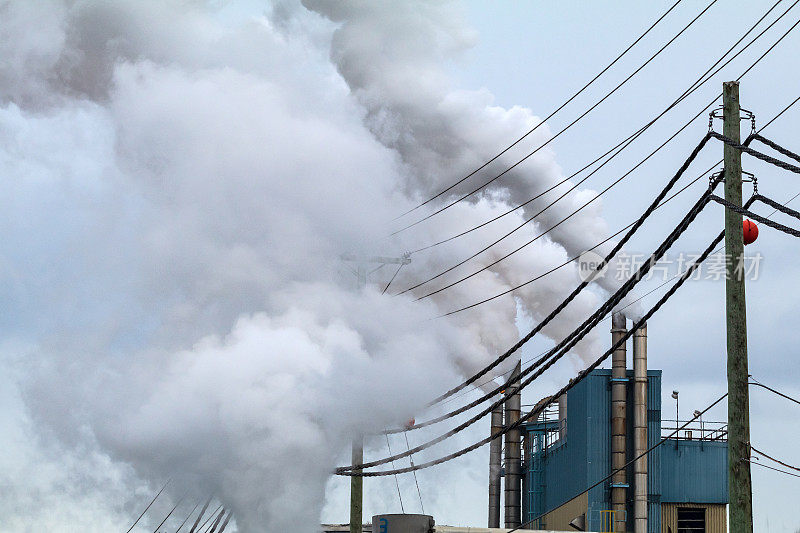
<point>402,523</point>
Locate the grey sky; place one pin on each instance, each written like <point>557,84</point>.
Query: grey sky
<point>179,179</point>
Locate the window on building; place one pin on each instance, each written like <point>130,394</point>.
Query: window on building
<point>691,520</point>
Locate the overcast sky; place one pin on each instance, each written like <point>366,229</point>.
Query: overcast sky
<point>180,175</point>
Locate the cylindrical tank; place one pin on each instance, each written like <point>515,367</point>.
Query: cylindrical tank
<point>402,523</point>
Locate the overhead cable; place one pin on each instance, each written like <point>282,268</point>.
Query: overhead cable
<point>551,115</point>
<point>169,514</point>
<point>561,349</point>
<point>757,384</point>
<point>771,468</point>
<point>582,375</point>
<point>627,141</point>
<point>696,85</point>
<point>743,147</point>
<point>758,218</point>
<point>626,465</point>
<point>759,452</point>
<point>555,312</point>
<point>567,127</point>
<point>547,319</point>
<point>149,505</point>
<point>187,517</point>
<point>575,336</point>
<point>200,516</point>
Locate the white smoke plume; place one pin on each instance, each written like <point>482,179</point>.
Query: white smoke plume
<point>181,179</point>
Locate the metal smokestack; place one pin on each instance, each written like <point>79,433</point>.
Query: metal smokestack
<point>495,459</point>
<point>618,422</point>
<point>513,405</point>
<point>640,429</point>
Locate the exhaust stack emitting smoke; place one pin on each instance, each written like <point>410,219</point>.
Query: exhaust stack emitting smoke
<point>180,182</point>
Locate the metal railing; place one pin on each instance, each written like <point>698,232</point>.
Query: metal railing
<point>697,430</point>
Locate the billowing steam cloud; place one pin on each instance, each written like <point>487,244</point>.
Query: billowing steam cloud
<point>180,181</point>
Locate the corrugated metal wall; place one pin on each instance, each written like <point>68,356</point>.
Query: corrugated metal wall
<point>595,394</point>
<point>654,457</point>
<point>716,516</point>
<point>697,471</point>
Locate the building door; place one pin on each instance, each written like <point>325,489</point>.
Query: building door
<point>691,520</point>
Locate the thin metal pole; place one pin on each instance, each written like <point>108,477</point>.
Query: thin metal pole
<point>739,482</point>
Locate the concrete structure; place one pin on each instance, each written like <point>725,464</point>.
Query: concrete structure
<point>330,528</point>
<point>687,479</point>
<point>403,523</point>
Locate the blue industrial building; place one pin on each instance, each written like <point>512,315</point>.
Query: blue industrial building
<point>565,452</point>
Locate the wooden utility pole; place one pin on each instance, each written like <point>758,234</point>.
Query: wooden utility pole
<point>357,487</point>
<point>357,481</point>
<point>740,491</point>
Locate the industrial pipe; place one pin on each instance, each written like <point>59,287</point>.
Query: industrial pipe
<point>495,460</point>
<point>513,478</point>
<point>640,429</point>
<point>618,422</point>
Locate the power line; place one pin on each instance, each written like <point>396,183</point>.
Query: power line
<point>747,141</point>
<point>200,516</point>
<point>149,505</point>
<point>554,354</point>
<point>396,482</point>
<point>567,127</point>
<point>590,322</point>
<point>527,381</point>
<point>631,137</point>
<point>633,228</point>
<point>692,88</point>
<point>411,462</point>
<point>551,115</point>
<point>757,384</point>
<point>187,517</point>
<point>772,468</point>
<point>446,398</point>
<point>396,272</point>
<point>764,220</point>
<point>744,147</point>
<point>169,514</point>
<point>216,522</point>
<point>626,465</point>
<point>572,259</point>
<point>582,375</point>
<point>209,518</point>
<point>554,226</point>
<point>225,523</point>
<point>759,452</point>
<point>489,367</point>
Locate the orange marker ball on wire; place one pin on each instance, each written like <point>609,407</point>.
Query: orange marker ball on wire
<point>750,231</point>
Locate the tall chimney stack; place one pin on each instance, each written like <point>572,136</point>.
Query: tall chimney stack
<point>618,422</point>
<point>495,460</point>
<point>513,406</point>
<point>640,429</point>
